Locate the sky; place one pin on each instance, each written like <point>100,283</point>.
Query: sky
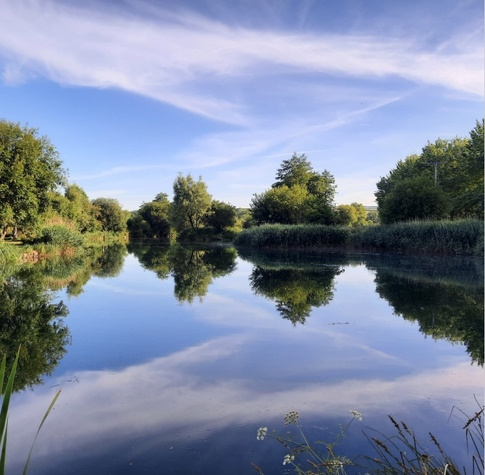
<point>133,92</point>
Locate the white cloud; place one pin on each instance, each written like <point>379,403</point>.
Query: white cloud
<point>199,64</point>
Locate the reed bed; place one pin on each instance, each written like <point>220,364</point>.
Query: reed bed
<point>293,236</point>
<point>464,237</point>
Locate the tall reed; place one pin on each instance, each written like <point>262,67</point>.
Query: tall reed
<point>464,237</point>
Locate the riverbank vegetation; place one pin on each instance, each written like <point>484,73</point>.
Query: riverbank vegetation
<point>431,202</point>
<point>402,453</point>
<point>464,237</point>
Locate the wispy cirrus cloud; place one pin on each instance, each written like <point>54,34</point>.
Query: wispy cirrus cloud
<point>207,67</point>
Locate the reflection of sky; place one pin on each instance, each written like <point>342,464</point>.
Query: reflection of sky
<point>182,388</point>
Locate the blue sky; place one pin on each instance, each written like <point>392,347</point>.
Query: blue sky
<point>132,92</point>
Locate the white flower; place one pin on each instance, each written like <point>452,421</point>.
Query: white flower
<point>357,415</point>
<point>262,431</point>
<point>288,459</point>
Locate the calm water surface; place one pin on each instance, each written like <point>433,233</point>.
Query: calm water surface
<point>169,360</point>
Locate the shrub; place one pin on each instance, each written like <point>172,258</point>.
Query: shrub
<point>60,236</point>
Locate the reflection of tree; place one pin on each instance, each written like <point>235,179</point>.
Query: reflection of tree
<point>192,269</point>
<point>74,272</point>
<point>296,291</point>
<point>28,317</point>
<point>109,260</point>
<point>191,275</point>
<point>154,258</point>
<point>443,310</point>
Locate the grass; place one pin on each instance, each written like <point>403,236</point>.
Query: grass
<point>6,395</point>
<point>463,237</point>
<point>399,454</point>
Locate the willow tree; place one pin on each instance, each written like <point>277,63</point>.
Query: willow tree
<point>191,202</point>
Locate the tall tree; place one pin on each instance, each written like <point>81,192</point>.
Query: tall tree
<point>30,168</point>
<point>220,216</point>
<point>152,219</point>
<point>80,209</point>
<point>281,205</point>
<point>191,202</point>
<point>295,171</point>
<point>454,167</point>
<point>110,214</point>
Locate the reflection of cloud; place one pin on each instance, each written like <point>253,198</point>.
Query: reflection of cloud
<point>180,392</point>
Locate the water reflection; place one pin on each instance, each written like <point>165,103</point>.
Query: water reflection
<point>444,296</point>
<point>31,316</point>
<point>193,270</point>
<point>193,384</point>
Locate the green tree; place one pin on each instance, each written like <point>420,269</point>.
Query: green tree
<point>110,214</point>
<point>299,195</point>
<point>220,216</point>
<point>282,205</point>
<point>152,219</point>
<point>346,215</point>
<point>29,169</point>
<point>295,171</point>
<point>354,214</point>
<point>414,198</point>
<point>191,202</point>
<point>80,209</point>
<point>455,167</point>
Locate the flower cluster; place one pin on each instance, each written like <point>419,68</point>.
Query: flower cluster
<point>262,431</point>
<point>291,417</point>
<point>357,415</point>
<point>288,459</point>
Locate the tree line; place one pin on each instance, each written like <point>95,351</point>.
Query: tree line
<point>444,181</point>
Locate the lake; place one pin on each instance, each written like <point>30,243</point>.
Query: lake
<point>170,359</point>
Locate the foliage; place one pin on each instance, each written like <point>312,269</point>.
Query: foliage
<point>29,169</point>
<point>445,237</point>
<point>414,198</point>
<point>191,202</point>
<point>151,220</point>
<point>295,171</point>
<point>300,195</point>
<point>60,236</point>
<point>445,180</point>
<point>353,215</point>
<point>282,205</point>
<point>297,236</point>
<point>110,214</point>
<point>80,209</point>
<point>463,237</point>
<point>220,216</point>
<point>28,317</point>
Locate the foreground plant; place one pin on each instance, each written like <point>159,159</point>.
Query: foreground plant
<point>317,461</point>
<point>399,454</point>
<point>4,412</point>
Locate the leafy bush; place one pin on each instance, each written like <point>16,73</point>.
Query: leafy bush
<point>60,236</point>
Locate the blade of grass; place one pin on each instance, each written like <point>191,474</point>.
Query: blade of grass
<point>49,409</point>
<point>5,405</point>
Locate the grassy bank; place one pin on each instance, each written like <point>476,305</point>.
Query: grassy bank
<point>464,237</point>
